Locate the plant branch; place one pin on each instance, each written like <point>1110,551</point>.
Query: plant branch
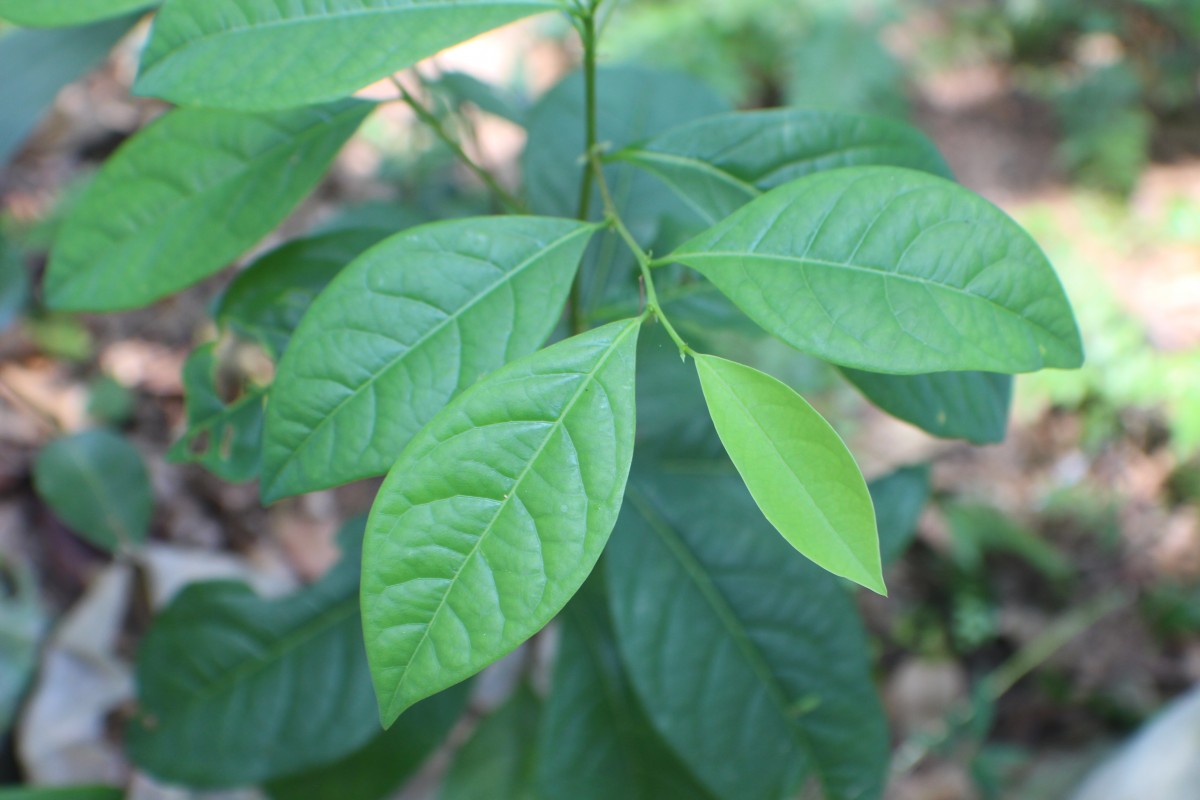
<point>642,257</point>
<point>510,203</point>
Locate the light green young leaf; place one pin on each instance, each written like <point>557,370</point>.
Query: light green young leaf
<point>35,65</point>
<point>234,689</point>
<point>379,769</point>
<point>96,483</point>
<point>267,299</point>
<point>186,196</point>
<point>495,514</point>
<point>595,741</point>
<point>67,13</point>
<point>210,52</point>
<point>953,405</point>
<point>891,270</point>
<point>500,758</point>
<point>717,619</point>
<point>718,164</point>
<point>225,438</point>
<point>403,329</point>
<point>796,467</point>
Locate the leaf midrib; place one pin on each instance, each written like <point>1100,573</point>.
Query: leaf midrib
<point>688,258</point>
<point>247,167</point>
<point>394,362</point>
<point>512,492</point>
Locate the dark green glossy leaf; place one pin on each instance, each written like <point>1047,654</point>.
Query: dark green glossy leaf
<point>96,483</point>
<point>632,103</point>
<point>403,329</point>
<point>595,742</point>
<point>797,469</point>
<point>210,52</point>
<point>954,405</point>
<point>500,758</point>
<point>64,793</point>
<point>718,164</point>
<point>266,301</point>
<point>749,660</point>
<point>66,13</point>
<point>186,196</point>
<point>226,438</point>
<point>234,689</point>
<point>392,757</point>
<point>35,65</point>
<point>899,499</point>
<point>496,512</point>
<point>891,270</point>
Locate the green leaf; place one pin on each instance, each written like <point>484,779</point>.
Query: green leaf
<point>891,270</point>
<point>718,164</point>
<point>391,758</point>
<point>403,329</point>
<point>210,52</point>
<point>796,467</point>
<point>186,196</point>
<point>842,63</point>
<point>500,758</point>
<point>226,438</point>
<point>595,742</point>
<point>96,483</point>
<point>266,301</point>
<point>954,405</point>
<point>751,662</point>
<point>234,689</point>
<point>632,103</point>
<point>496,512</point>
<point>35,65</point>
<point>66,13</point>
<point>64,793</point>
<point>899,499</point>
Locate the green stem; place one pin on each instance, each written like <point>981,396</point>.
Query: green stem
<point>587,35</point>
<point>510,203</point>
<point>643,259</point>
